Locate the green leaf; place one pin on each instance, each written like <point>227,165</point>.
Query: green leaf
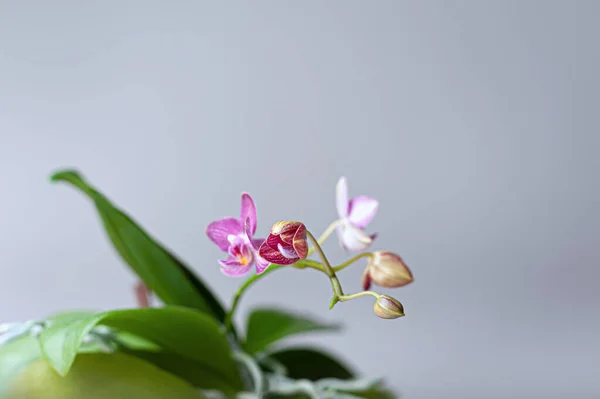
<point>185,332</point>
<point>15,356</point>
<point>267,326</point>
<point>379,392</point>
<point>100,376</point>
<point>192,371</point>
<point>135,343</point>
<point>172,281</point>
<point>311,364</point>
<point>67,317</point>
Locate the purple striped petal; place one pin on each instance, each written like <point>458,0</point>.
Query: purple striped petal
<point>220,230</point>
<point>248,213</point>
<point>299,243</point>
<point>273,255</point>
<point>361,211</point>
<point>341,197</point>
<point>261,264</point>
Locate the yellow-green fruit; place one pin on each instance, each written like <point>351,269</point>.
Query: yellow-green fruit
<point>100,376</point>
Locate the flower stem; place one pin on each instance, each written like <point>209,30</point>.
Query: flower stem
<point>310,264</point>
<point>352,260</point>
<point>335,283</point>
<point>330,229</point>
<point>301,264</point>
<point>240,292</point>
<point>344,298</point>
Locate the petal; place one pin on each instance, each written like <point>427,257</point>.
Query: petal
<point>273,240</point>
<point>248,231</point>
<point>261,265</point>
<point>236,243</point>
<point>366,279</point>
<point>299,243</point>
<point>272,255</point>
<point>285,230</point>
<point>248,253</point>
<point>257,242</point>
<point>220,230</point>
<point>233,268</point>
<point>248,213</point>
<point>288,252</point>
<point>340,233</point>
<point>354,239</point>
<point>341,197</point>
<point>361,210</point>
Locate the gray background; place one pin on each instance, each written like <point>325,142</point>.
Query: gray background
<point>474,123</point>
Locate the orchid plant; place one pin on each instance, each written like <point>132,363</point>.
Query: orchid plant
<point>188,345</point>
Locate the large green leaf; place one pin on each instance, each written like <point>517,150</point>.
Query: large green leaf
<point>311,364</point>
<point>100,376</point>
<point>267,326</point>
<point>192,371</point>
<point>15,356</point>
<point>185,332</point>
<point>161,271</point>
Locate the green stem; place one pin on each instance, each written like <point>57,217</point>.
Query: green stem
<point>310,264</point>
<point>351,261</point>
<point>240,292</point>
<point>330,229</point>
<point>335,283</point>
<point>344,298</point>
<point>301,264</point>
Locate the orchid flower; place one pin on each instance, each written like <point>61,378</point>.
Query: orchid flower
<point>354,215</point>
<point>286,243</point>
<point>235,236</point>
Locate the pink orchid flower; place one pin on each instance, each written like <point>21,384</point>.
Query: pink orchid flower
<point>354,215</point>
<point>235,236</point>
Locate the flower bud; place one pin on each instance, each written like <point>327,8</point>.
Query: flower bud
<point>387,307</point>
<point>286,243</point>
<point>386,269</point>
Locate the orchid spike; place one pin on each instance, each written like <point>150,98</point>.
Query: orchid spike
<point>354,215</point>
<point>143,295</point>
<point>286,244</point>
<point>235,236</point>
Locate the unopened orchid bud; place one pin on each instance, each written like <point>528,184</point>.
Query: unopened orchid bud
<point>286,244</point>
<point>386,269</point>
<point>387,307</point>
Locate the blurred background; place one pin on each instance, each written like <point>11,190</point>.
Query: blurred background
<point>475,123</point>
